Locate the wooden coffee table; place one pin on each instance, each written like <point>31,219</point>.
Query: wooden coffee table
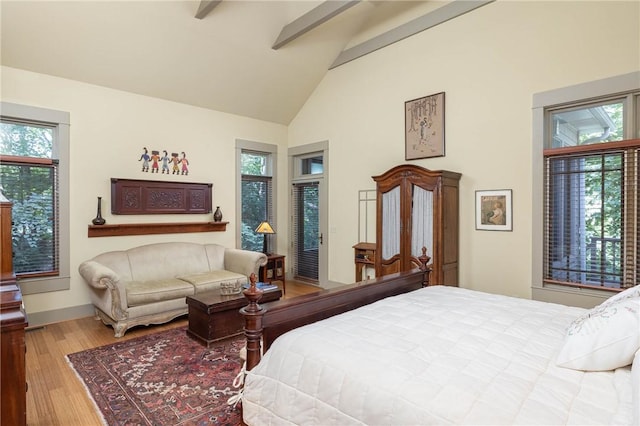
<point>213,316</point>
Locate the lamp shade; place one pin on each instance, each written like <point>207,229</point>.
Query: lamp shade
<point>265,228</point>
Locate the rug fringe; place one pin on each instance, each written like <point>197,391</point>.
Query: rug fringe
<point>238,382</point>
<point>86,389</point>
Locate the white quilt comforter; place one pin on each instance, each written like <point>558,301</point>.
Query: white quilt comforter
<point>439,355</point>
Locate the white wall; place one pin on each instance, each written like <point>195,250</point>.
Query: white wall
<point>109,128</point>
<point>489,63</point>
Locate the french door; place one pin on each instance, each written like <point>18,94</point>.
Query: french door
<point>307,238</point>
<point>308,245</point>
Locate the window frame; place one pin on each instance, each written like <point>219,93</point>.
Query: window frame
<point>271,151</point>
<point>60,122</point>
<point>599,90</point>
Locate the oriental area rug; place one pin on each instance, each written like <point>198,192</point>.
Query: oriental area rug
<point>164,379</point>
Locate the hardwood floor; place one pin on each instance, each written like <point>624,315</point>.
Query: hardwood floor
<point>55,395</point>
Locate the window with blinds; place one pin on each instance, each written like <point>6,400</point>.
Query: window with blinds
<point>591,198</point>
<point>29,178</point>
<point>256,188</point>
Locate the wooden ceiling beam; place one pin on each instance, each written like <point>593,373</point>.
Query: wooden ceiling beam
<point>312,19</point>
<point>205,7</point>
<point>431,19</point>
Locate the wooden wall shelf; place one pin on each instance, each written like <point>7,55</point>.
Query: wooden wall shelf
<point>154,228</point>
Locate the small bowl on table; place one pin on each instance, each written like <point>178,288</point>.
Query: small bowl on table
<point>229,288</point>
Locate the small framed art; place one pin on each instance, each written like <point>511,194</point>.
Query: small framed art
<point>424,127</point>
<point>494,210</point>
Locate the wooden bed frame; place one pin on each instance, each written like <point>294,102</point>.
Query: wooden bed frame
<point>264,323</point>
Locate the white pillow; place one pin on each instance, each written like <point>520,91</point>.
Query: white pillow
<point>628,293</point>
<point>604,338</point>
<point>635,385</point>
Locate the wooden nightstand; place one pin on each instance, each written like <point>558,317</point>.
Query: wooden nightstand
<point>274,270</point>
<point>364,256</point>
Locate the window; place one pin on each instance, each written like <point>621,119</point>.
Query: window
<point>310,164</point>
<point>591,202</point>
<point>256,194</point>
<point>34,177</point>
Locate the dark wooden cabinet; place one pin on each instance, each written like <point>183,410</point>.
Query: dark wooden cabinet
<point>13,408</point>
<point>416,208</point>
<point>274,270</point>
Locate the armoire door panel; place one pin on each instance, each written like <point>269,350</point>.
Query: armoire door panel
<point>390,232</point>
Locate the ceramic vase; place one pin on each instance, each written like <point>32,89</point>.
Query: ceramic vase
<point>217,215</point>
<point>99,220</point>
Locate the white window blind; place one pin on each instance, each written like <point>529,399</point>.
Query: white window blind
<point>591,216</point>
<point>306,229</point>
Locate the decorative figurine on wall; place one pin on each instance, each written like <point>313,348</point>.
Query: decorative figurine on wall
<point>165,161</point>
<point>145,160</point>
<point>175,161</point>
<point>155,157</point>
<point>185,164</point>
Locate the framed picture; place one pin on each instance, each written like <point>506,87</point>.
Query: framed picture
<point>493,210</point>
<point>424,127</point>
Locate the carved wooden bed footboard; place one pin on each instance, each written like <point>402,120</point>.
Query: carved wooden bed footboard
<point>264,323</point>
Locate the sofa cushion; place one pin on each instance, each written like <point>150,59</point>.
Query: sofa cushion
<point>167,260</point>
<point>144,292</point>
<point>118,262</point>
<point>211,280</point>
<point>215,256</point>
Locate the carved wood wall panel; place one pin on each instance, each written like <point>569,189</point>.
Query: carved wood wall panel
<point>132,196</point>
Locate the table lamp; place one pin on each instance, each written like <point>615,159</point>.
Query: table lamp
<point>264,228</point>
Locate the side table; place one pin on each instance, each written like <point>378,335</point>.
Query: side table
<point>274,270</point>
<point>364,257</point>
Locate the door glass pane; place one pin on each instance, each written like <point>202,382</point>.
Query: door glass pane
<point>312,166</point>
<point>306,224</point>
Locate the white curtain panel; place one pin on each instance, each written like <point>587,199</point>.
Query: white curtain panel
<point>391,223</point>
<point>422,221</point>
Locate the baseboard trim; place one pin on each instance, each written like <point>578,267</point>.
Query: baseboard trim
<point>39,319</point>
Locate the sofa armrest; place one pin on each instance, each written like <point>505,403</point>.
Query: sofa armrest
<point>243,262</point>
<point>108,291</point>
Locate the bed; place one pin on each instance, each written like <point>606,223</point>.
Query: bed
<point>445,355</point>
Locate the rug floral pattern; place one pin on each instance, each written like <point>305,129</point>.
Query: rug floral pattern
<point>164,379</point>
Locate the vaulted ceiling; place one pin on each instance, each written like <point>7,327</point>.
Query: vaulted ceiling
<point>259,59</point>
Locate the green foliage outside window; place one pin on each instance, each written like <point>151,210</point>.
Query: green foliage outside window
<point>31,187</point>
<point>256,198</point>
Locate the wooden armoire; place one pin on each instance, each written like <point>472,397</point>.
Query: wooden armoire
<point>13,321</point>
<point>416,208</point>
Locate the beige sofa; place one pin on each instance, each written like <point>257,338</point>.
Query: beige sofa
<point>149,284</point>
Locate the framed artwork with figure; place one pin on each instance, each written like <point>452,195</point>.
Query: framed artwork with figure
<point>494,210</point>
<point>424,127</point>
